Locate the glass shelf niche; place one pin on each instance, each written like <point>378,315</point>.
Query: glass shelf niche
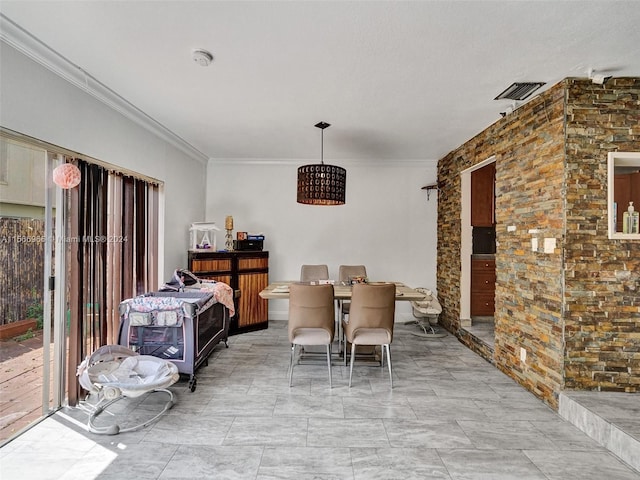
<point>623,185</point>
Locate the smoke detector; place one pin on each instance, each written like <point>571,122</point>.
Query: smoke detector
<point>202,57</point>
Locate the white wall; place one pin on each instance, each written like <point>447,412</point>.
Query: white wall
<point>387,224</point>
<point>37,102</point>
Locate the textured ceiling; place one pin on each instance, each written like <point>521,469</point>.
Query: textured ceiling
<point>397,80</point>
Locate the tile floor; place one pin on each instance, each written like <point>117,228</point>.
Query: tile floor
<point>610,418</point>
<point>450,415</point>
<point>484,331</point>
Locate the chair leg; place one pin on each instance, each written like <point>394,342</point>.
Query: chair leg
<point>293,352</point>
<point>339,326</point>
<point>329,362</point>
<point>353,356</point>
<point>344,348</point>
<point>388,362</point>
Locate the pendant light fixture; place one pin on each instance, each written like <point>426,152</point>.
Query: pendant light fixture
<point>320,184</point>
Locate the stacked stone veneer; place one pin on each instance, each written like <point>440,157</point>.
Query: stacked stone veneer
<point>575,311</point>
<point>602,276</point>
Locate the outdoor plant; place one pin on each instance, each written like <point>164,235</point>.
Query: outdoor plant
<point>35,309</point>
<point>25,336</point>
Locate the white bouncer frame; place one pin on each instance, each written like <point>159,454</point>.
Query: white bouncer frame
<point>94,375</point>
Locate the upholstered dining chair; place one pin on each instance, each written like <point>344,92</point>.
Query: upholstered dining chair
<point>311,319</point>
<point>371,320</point>
<point>345,273</point>
<point>312,273</point>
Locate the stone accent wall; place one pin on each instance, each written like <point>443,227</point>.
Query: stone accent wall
<point>448,237</point>
<point>575,311</point>
<point>529,197</point>
<point>529,151</point>
<point>602,276</point>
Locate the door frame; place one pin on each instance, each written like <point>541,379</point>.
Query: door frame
<point>466,240</point>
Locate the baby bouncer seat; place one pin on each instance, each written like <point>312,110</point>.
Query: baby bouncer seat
<point>114,372</point>
<point>426,311</point>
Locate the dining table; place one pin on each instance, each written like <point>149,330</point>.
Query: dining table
<point>341,291</point>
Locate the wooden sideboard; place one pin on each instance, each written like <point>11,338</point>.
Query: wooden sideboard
<point>244,271</point>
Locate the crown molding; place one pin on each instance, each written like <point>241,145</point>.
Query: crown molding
<point>395,162</point>
<point>15,36</point>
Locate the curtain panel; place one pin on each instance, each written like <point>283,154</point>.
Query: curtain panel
<point>113,250</point>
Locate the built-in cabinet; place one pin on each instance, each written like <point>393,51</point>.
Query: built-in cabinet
<point>483,265</point>
<point>483,287</point>
<point>247,273</point>
<point>483,204</point>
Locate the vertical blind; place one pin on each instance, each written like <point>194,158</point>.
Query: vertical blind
<point>113,248</point>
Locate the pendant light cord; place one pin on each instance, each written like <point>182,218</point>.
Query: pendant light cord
<point>322,126</point>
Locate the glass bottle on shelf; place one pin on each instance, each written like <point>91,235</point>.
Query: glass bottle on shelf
<point>631,220</point>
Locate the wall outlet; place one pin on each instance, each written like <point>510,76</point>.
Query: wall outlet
<point>523,355</point>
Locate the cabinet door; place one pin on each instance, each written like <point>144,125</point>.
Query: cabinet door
<point>483,196</point>
<point>253,310</point>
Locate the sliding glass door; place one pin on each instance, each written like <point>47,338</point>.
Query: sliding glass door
<point>32,326</point>
<point>68,257</point>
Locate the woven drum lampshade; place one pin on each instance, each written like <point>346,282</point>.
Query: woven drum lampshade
<point>320,184</point>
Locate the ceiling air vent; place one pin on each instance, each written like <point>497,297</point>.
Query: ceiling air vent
<point>519,91</point>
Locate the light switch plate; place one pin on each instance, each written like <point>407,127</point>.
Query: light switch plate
<point>549,245</point>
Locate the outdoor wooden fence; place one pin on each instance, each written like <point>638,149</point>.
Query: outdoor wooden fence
<point>22,243</point>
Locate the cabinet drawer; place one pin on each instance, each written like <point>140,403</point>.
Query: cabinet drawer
<point>483,280</point>
<point>218,278</point>
<point>483,276</point>
<point>483,265</point>
<point>211,265</point>
<point>483,304</point>
<point>254,263</point>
